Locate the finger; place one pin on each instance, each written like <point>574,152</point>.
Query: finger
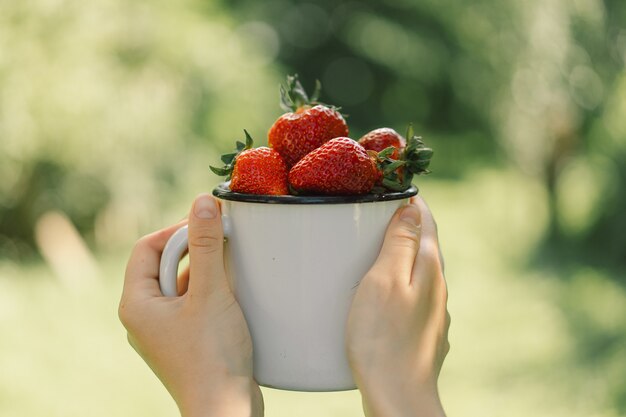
<point>182,282</point>
<point>447,329</point>
<point>429,226</point>
<point>428,267</point>
<point>142,270</point>
<point>401,244</point>
<point>206,246</point>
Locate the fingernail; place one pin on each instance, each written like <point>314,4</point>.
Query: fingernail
<point>410,214</point>
<point>205,207</point>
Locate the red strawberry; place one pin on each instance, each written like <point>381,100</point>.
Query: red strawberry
<point>254,170</point>
<point>340,166</point>
<point>397,173</point>
<point>382,138</point>
<point>306,125</point>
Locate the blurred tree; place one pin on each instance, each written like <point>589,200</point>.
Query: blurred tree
<point>384,64</point>
<point>110,108</point>
<point>126,94</point>
<point>539,84</point>
<point>45,185</point>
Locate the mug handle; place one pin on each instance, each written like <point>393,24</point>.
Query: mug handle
<point>173,252</point>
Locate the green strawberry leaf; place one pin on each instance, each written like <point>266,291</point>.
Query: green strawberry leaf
<point>414,160</point>
<point>411,145</point>
<point>392,167</point>
<point>387,152</point>
<point>230,159</point>
<point>409,131</point>
<point>285,102</point>
<point>425,154</point>
<point>392,185</point>
<point>316,93</point>
<point>220,171</point>
<point>378,190</point>
<point>249,141</point>
<point>297,93</point>
<point>294,95</point>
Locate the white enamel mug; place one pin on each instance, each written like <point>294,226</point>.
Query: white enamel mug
<point>295,264</point>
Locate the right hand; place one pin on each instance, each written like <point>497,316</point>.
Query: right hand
<point>198,343</point>
<point>397,335</point>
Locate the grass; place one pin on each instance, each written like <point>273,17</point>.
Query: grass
<point>524,341</point>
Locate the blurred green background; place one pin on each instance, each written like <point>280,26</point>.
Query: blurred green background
<point>112,110</point>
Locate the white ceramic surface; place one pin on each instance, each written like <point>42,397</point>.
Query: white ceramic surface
<point>294,270</point>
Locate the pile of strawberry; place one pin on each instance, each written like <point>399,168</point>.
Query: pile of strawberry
<point>310,153</point>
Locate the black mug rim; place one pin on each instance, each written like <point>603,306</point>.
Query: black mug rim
<point>223,192</point>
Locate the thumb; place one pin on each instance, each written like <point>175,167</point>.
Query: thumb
<point>401,243</point>
<point>206,246</point>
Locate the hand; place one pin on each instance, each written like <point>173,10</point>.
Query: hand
<point>397,335</point>
<point>198,343</point>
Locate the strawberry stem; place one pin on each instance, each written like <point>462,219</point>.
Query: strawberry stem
<point>230,159</point>
<point>414,160</point>
<point>294,96</point>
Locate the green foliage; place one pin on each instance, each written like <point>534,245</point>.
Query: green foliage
<point>534,83</point>
<point>135,97</point>
<point>112,110</point>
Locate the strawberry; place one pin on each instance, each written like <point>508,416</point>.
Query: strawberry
<point>254,170</point>
<point>397,173</point>
<point>339,166</point>
<point>307,124</point>
<point>382,138</point>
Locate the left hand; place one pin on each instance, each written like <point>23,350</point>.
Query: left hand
<point>198,343</point>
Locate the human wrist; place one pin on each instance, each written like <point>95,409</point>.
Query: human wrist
<point>237,397</point>
<point>402,398</point>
